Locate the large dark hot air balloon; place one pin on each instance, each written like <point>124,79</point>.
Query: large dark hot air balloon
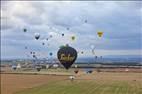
<point>67,55</point>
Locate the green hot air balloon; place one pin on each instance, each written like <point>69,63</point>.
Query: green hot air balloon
<point>67,56</point>
<point>73,37</point>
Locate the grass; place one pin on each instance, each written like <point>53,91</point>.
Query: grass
<point>87,87</point>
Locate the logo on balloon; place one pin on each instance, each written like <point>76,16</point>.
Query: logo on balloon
<point>67,56</point>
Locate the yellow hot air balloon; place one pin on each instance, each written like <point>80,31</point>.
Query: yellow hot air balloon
<point>100,33</point>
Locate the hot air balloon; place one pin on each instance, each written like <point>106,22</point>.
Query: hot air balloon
<point>34,56</point>
<point>19,66</point>
<point>50,53</point>
<point>67,56</point>
<point>26,47</point>
<point>76,71</point>
<point>37,36</point>
<point>73,37</point>
<point>25,30</point>
<point>68,28</point>
<point>100,33</point>
<point>85,21</point>
<point>89,71</point>
<point>33,52</point>
<point>38,68</point>
<point>47,39</point>
<point>62,34</point>
<point>71,78</point>
<point>93,49</point>
<point>43,43</point>
<point>50,36</point>
<point>14,67</point>
<point>82,52</point>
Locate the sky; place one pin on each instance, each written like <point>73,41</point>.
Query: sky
<point>119,21</point>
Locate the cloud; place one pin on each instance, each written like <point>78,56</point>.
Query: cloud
<point>120,22</point>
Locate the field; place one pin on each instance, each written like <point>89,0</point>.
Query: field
<point>95,83</point>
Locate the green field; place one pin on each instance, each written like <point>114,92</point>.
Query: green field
<point>90,84</point>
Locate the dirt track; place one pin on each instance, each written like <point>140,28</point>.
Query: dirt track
<point>11,83</point>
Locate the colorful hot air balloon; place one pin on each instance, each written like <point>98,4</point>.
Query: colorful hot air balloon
<point>67,56</point>
<point>100,33</point>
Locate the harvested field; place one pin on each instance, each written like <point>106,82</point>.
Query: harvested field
<point>95,83</point>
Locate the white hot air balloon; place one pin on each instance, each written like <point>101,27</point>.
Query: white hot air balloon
<point>19,66</point>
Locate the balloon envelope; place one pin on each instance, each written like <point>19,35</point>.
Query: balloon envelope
<point>68,28</point>
<point>43,43</point>
<point>25,30</point>
<point>67,56</point>
<point>85,21</point>
<point>76,71</point>
<point>26,47</point>
<point>73,37</point>
<point>82,52</point>
<point>50,54</point>
<point>37,36</point>
<point>100,34</point>
<point>62,34</point>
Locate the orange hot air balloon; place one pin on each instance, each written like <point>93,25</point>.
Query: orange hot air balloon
<point>100,33</point>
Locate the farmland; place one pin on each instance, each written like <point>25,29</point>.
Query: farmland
<point>95,83</point>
